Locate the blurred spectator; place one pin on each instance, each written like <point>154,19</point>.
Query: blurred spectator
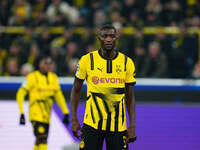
<point>152,19</point>
<point>139,58</point>
<point>172,14</point>
<point>137,40</point>
<point>135,20</point>
<point>192,7</point>
<point>163,40</point>
<point>154,6</point>
<point>155,65</point>
<point>33,54</point>
<point>44,40</point>
<point>3,56</point>
<point>181,58</point>
<point>14,54</point>
<point>26,69</point>
<point>4,12</point>
<point>99,18</point>
<point>12,68</point>
<point>57,6</point>
<point>39,17</point>
<point>195,22</point>
<point>56,55</point>
<point>92,7</point>
<point>115,6</point>
<point>60,20</point>
<point>196,71</point>
<point>128,6</point>
<point>116,19</point>
<point>81,21</point>
<point>70,59</point>
<point>61,41</point>
<point>37,7</point>
<point>87,38</point>
<point>26,40</point>
<point>20,12</point>
<point>41,20</point>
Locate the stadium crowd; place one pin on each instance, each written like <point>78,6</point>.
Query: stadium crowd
<point>155,55</point>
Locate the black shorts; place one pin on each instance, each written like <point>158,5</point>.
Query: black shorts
<point>92,139</point>
<point>40,129</point>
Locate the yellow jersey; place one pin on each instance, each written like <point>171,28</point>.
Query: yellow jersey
<point>106,79</point>
<point>41,89</point>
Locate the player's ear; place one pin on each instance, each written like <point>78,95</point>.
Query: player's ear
<point>97,33</point>
<point>118,33</point>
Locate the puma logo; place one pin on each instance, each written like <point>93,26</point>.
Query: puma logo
<point>100,69</point>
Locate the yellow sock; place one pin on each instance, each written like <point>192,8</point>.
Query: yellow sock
<point>35,147</point>
<point>43,147</point>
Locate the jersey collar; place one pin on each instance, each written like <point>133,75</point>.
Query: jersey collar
<point>99,51</point>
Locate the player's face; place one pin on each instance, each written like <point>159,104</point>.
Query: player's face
<point>107,38</point>
<point>46,65</point>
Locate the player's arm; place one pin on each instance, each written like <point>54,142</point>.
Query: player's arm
<point>60,100</point>
<point>20,96</point>
<point>75,94</point>
<point>22,92</point>
<point>130,105</point>
<point>130,99</point>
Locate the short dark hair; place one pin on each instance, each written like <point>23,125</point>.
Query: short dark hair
<point>40,58</point>
<point>108,26</point>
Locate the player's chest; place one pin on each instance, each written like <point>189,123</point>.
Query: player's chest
<point>106,68</point>
<point>45,84</point>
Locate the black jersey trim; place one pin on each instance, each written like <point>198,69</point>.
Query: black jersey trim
<point>118,90</point>
<point>109,66</point>
<point>88,97</point>
<point>99,51</point>
<point>92,61</point>
<point>116,117</point>
<point>92,113</point>
<point>108,123</point>
<point>123,110</point>
<point>79,78</point>
<point>24,89</point>
<point>131,83</point>
<point>99,111</point>
<point>125,62</point>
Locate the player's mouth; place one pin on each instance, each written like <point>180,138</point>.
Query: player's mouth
<point>108,45</point>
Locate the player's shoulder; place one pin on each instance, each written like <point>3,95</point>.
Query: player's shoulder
<point>54,75</point>
<point>88,55</point>
<point>31,75</point>
<point>122,55</point>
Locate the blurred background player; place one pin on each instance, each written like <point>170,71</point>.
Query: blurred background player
<point>41,85</point>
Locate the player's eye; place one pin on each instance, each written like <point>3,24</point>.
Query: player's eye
<point>112,36</point>
<point>103,36</point>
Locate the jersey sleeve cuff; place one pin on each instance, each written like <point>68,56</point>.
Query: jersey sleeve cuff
<point>131,83</point>
<point>79,78</point>
<point>24,89</point>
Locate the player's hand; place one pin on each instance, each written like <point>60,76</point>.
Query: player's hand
<point>131,135</point>
<point>22,120</point>
<point>76,128</point>
<point>66,119</point>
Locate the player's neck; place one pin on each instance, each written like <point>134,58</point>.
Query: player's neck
<point>44,73</point>
<point>108,54</point>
